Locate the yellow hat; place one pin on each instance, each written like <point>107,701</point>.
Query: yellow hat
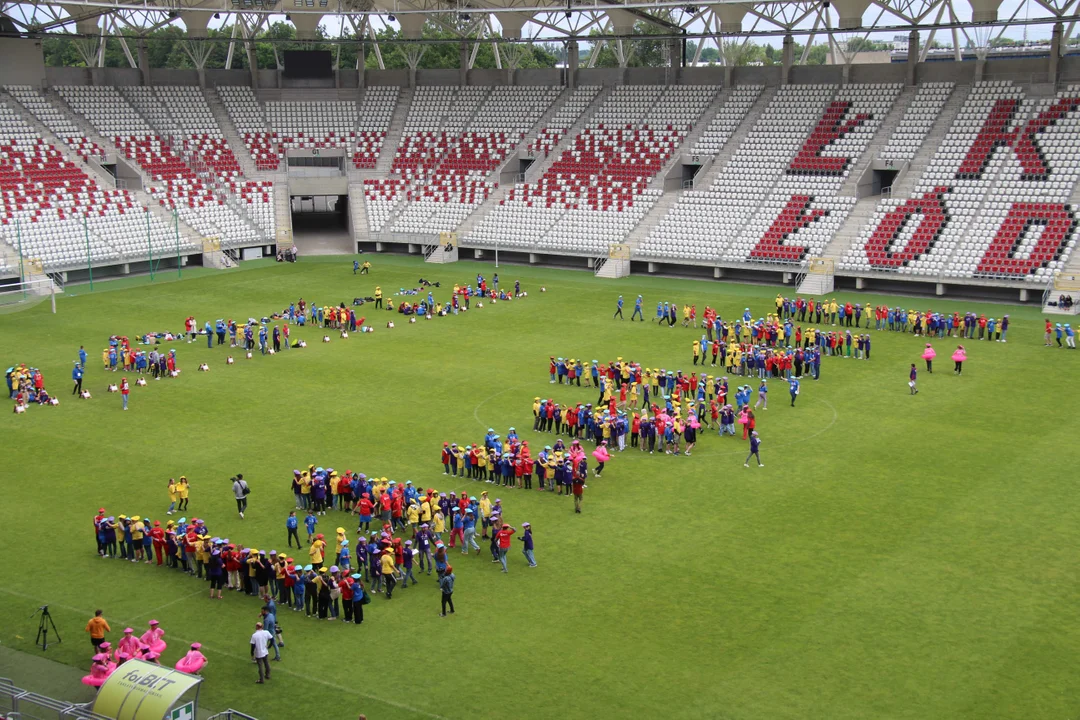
<point>341,530</point>
<point>253,551</point>
<point>122,517</point>
<point>136,518</point>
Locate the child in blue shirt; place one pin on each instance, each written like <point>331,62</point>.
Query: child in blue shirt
<point>310,522</point>
<point>291,524</point>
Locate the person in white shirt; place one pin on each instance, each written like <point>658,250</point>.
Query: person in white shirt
<point>260,642</point>
<point>240,492</point>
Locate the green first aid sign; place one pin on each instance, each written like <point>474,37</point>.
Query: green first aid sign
<point>139,690</point>
<point>184,712</point>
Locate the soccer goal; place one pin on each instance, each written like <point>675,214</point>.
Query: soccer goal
<point>19,295</point>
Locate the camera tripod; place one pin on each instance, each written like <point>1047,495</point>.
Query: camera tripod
<point>44,623</point>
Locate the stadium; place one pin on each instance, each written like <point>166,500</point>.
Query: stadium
<point>385,276</point>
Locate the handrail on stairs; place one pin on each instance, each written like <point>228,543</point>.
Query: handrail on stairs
<point>1048,291</point>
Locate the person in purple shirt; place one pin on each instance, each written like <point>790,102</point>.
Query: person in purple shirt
<point>913,375</point>
<point>755,445</point>
<point>216,571</point>
<point>527,539</point>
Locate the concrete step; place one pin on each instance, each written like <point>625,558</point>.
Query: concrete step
<point>232,136</point>
<point>931,143</point>
<point>93,169</point>
<point>613,268</point>
<point>652,219</point>
<point>283,213</point>
<point>816,284</point>
<point>83,124</point>
<point>358,213</point>
<point>859,217</point>
<point>881,137</point>
<point>540,166</point>
<point>750,120</point>
<point>393,134</point>
<point>700,125</point>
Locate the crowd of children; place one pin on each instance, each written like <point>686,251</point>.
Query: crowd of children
<point>399,528</point>
<point>510,463</point>
<point>270,334</point>
<point>26,385</point>
<point>780,325</point>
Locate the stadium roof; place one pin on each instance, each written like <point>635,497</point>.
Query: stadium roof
<point>956,23</point>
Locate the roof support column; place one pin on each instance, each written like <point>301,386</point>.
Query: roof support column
<point>788,58</point>
<point>463,63</point>
<point>572,60</point>
<point>912,56</point>
<point>144,61</point>
<point>1055,53</point>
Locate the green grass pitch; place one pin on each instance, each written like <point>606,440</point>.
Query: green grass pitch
<point>898,556</point>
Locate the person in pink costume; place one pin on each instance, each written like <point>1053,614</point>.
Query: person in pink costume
<point>152,637</point>
<point>128,647</point>
<point>602,456</point>
<point>99,671</point>
<point>151,657</point>
<point>959,357</point>
<point>193,661</point>
<point>928,355</point>
<point>106,648</point>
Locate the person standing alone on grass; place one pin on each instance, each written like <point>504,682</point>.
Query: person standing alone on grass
<point>240,492</point>
<point>260,642</point>
<point>755,446</point>
<point>912,378</point>
<point>446,585</point>
<point>77,376</point>
<point>124,390</point>
<point>97,627</point>
<point>637,310</point>
<point>618,309</point>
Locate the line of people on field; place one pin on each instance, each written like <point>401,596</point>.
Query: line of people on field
<point>510,463</point>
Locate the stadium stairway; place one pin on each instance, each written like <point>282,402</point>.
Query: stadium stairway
<point>393,134</point>
<point>931,142</point>
<point>708,175</point>
<point>98,173</point>
<point>880,139</point>
<point>857,219</point>
<point>863,211</point>
<point>92,169</point>
<point>236,143</point>
<point>358,212</point>
<point>282,209</point>
<point>84,126</point>
<point>542,122</point>
<point>539,166</point>
<point>700,125</point>
<point>652,218</point>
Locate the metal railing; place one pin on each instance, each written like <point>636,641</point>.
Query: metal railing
<point>231,714</point>
<point>18,703</point>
